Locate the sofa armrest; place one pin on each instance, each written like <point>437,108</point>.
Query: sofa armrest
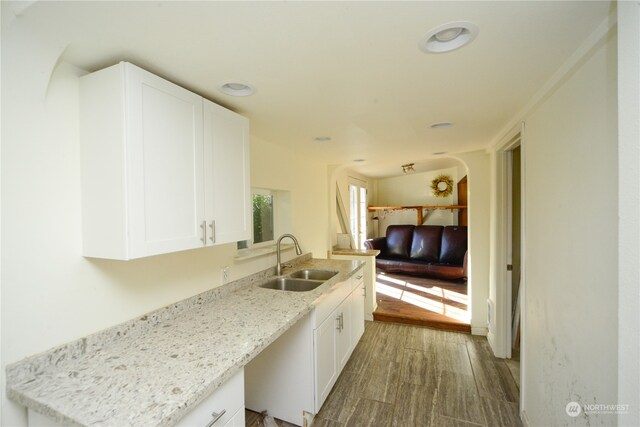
<point>465,265</point>
<point>379,243</point>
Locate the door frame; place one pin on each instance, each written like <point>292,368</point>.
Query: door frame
<point>500,327</point>
<point>508,242</point>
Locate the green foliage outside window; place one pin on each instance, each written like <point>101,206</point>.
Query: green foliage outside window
<point>262,218</point>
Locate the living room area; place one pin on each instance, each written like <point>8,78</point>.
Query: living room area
<point>414,218</point>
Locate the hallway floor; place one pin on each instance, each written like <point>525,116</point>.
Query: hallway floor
<point>408,376</point>
<point>441,304</point>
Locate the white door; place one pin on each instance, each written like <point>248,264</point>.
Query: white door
<point>358,212</point>
<point>164,165</point>
<point>227,186</point>
<point>324,341</point>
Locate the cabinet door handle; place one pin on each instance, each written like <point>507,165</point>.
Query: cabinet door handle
<point>203,226</point>
<point>341,321</point>
<point>359,277</point>
<point>213,231</point>
<point>216,417</point>
<point>338,321</point>
<point>364,291</point>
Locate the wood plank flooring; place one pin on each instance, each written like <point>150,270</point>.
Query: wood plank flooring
<point>422,301</point>
<point>409,376</point>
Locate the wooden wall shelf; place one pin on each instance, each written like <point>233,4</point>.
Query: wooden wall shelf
<point>419,209</point>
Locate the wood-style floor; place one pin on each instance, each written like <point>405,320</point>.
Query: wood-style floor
<point>422,301</point>
<point>409,376</point>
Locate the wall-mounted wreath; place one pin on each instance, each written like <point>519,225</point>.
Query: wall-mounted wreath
<point>442,186</point>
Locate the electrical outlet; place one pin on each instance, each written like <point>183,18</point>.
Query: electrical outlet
<point>225,275</point>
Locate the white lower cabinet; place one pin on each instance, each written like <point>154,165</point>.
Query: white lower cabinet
<point>237,420</point>
<point>344,346</point>
<point>358,301</point>
<point>326,363</point>
<point>226,404</point>
<point>292,378</point>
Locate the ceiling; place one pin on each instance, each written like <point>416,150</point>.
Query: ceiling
<point>348,70</point>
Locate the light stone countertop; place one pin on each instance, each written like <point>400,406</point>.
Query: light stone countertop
<point>356,252</point>
<point>152,370</point>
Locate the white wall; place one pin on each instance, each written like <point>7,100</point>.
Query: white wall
<point>571,299</point>
<point>277,168</point>
<point>478,176</point>
<point>629,210</point>
<point>50,293</point>
<point>413,190</point>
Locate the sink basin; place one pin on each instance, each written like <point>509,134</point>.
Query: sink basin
<point>291,284</point>
<point>313,274</point>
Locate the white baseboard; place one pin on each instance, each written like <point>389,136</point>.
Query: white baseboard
<point>492,340</point>
<point>368,317</point>
<point>524,418</point>
<point>479,331</point>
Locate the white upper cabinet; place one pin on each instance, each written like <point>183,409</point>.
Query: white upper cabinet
<point>226,160</point>
<point>148,179</point>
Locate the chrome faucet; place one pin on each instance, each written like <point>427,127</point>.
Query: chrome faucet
<point>298,251</point>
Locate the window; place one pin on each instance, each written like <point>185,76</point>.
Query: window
<point>263,225</point>
<point>271,217</point>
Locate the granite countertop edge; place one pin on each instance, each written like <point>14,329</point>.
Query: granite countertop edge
<point>355,252</point>
<point>45,382</point>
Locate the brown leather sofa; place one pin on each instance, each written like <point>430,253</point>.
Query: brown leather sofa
<point>425,250</point>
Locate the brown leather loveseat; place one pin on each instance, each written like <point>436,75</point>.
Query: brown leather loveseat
<point>425,250</point>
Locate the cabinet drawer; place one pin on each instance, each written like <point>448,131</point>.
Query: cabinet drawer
<point>356,280</point>
<point>328,302</point>
<point>237,420</point>
<point>229,397</point>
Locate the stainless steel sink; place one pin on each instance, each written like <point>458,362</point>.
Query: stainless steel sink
<point>291,284</point>
<point>313,274</point>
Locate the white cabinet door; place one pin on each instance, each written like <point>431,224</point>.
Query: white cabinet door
<point>343,337</point>
<point>223,404</point>
<point>357,314</point>
<point>142,168</point>
<point>326,367</point>
<point>226,164</point>
<point>165,168</point>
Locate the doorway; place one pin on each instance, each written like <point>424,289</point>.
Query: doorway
<point>514,243</point>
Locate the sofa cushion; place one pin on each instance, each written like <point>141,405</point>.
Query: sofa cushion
<point>420,268</point>
<point>425,245</point>
<point>399,240</point>
<point>454,245</point>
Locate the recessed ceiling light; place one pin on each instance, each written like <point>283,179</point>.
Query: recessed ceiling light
<point>322,138</point>
<point>358,160</point>
<point>236,89</point>
<point>441,125</point>
<point>448,34</point>
<point>448,37</point>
